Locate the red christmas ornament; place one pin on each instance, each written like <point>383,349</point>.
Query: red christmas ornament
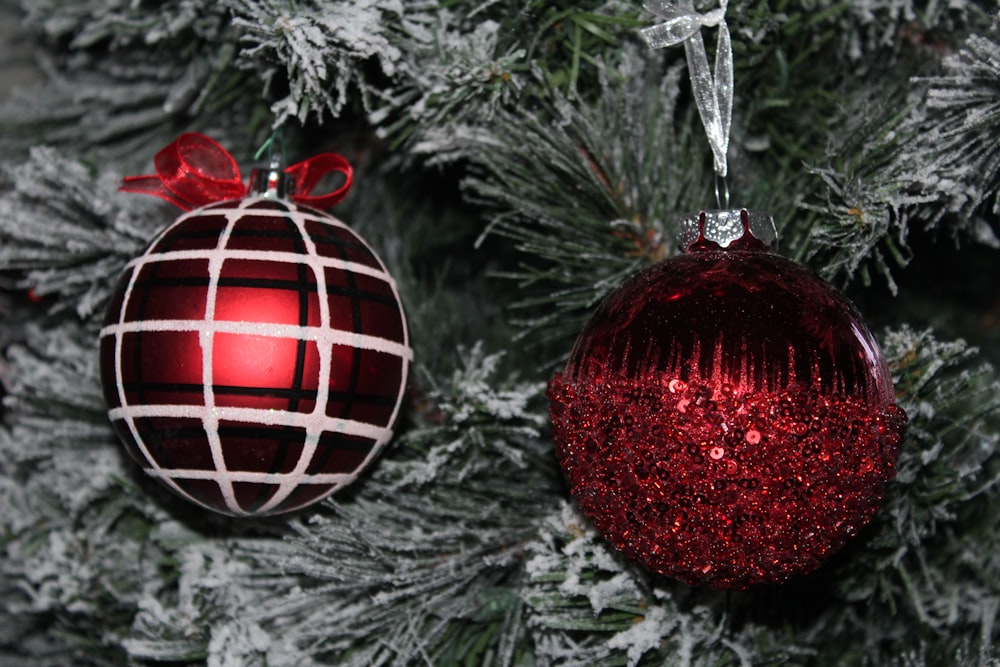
<point>726,417</point>
<point>254,356</point>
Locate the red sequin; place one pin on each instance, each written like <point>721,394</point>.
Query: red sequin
<point>726,418</point>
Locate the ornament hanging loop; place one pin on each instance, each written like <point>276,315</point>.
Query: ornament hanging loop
<point>713,91</point>
<point>274,158</point>
<point>721,192</point>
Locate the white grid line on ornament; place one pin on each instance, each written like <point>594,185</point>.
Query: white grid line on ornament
<point>209,412</point>
<point>318,334</point>
<point>266,417</point>
<point>251,477</point>
<point>278,257</point>
<point>289,483</point>
<point>209,418</point>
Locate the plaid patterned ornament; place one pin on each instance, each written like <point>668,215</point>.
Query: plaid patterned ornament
<point>254,357</point>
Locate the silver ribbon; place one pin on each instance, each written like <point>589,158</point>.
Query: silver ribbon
<point>713,93</point>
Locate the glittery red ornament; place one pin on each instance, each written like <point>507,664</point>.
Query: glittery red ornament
<point>726,417</point>
<point>254,356</point>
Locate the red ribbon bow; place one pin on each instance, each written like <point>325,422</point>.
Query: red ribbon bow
<point>195,170</point>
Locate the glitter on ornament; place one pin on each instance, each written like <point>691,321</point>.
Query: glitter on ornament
<point>254,357</point>
<point>726,417</point>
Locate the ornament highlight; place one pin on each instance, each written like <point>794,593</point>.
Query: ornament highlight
<point>254,357</point>
<point>726,417</point>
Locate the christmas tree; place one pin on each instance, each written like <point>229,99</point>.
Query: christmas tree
<point>513,164</point>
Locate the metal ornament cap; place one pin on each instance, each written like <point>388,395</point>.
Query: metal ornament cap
<point>271,183</point>
<point>738,229</point>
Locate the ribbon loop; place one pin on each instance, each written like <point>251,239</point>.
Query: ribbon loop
<point>713,93</point>
<point>195,170</point>
<point>308,173</point>
<point>191,171</point>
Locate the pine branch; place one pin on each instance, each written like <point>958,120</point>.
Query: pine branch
<point>589,607</point>
<point>568,41</point>
<point>459,69</point>
<point>896,168</point>
<point>419,562</point>
<point>66,231</point>
<point>120,79</point>
<point>871,193</point>
<point>937,530</point>
<point>588,191</point>
<point>120,23</point>
<point>319,50</point>
<point>63,526</point>
<point>959,126</point>
<point>97,563</point>
<point>452,80</point>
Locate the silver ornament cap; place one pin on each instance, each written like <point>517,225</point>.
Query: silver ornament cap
<point>737,229</point>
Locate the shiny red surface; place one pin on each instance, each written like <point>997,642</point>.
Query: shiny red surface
<point>750,319</point>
